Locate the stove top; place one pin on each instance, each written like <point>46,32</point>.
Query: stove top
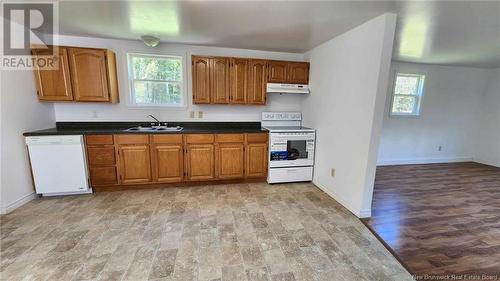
<point>288,129</point>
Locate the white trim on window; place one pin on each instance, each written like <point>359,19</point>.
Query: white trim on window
<point>419,95</point>
<point>182,83</point>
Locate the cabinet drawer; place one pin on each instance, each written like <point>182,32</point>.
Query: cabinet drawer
<point>101,155</point>
<point>177,139</point>
<point>199,138</point>
<point>230,138</point>
<point>103,176</point>
<point>132,139</point>
<point>99,139</point>
<point>257,137</point>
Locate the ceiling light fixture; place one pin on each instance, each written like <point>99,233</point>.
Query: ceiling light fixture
<point>150,41</point>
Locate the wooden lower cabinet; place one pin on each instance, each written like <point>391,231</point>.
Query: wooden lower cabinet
<point>106,175</point>
<point>200,164</point>
<point>104,155</point>
<point>136,159</point>
<point>230,160</point>
<point>167,162</point>
<point>101,158</point>
<point>135,164</point>
<point>256,160</point>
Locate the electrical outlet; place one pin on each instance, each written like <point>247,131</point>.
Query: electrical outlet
<point>191,114</point>
<point>332,172</point>
<point>200,114</point>
<point>440,148</point>
<point>94,114</point>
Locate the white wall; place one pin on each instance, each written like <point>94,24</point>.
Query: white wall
<point>121,111</point>
<point>348,78</point>
<point>20,111</point>
<point>450,111</point>
<point>488,138</point>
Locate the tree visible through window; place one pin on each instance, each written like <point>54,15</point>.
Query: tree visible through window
<point>408,90</point>
<point>155,80</point>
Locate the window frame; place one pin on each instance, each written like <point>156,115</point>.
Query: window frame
<point>416,113</point>
<point>131,94</point>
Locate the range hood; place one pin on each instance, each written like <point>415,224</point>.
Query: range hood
<point>278,88</point>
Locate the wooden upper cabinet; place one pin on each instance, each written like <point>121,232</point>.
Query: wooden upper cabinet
<point>200,164</point>
<point>298,72</point>
<point>89,74</point>
<point>257,79</point>
<point>278,71</point>
<point>238,81</point>
<point>224,80</point>
<point>135,166</point>
<point>288,72</point>
<point>53,85</point>
<point>219,80</point>
<point>201,79</point>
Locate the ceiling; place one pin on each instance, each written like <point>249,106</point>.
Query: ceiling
<point>444,32</point>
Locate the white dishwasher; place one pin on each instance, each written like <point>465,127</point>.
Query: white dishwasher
<point>59,164</point>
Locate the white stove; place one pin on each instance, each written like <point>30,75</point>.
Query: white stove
<point>291,147</point>
<point>289,129</point>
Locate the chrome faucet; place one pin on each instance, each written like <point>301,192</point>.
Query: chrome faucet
<point>159,123</point>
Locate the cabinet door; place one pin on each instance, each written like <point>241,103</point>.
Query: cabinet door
<point>256,160</point>
<point>230,160</point>
<point>103,175</point>
<point>135,166</point>
<point>89,76</point>
<point>168,164</point>
<point>238,81</point>
<point>278,71</point>
<point>257,82</point>
<point>219,80</point>
<point>298,72</point>
<point>201,79</point>
<point>54,85</point>
<point>101,155</point>
<point>200,162</point>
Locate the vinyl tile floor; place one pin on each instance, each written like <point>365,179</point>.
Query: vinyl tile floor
<point>223,232</point>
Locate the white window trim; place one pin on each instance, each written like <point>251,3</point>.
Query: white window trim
<point>417,112</point>
<point>130,100</point>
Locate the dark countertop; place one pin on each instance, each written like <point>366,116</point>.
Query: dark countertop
<point>88,128</point>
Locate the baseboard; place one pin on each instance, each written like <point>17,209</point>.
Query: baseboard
<point>423,161</point>
<point>16,204</point>
<point>366,213</point>
<point>125,187</point>
<point>489,163</point>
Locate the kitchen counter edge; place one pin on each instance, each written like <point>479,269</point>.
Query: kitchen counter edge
<point>109,131</point>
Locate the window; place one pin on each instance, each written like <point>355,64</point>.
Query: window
<point>408,90</point>
<point>155,80</point>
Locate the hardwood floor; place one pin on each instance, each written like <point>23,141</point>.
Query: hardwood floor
<point>440,219</point>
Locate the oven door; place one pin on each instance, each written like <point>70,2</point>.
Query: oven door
<point>291,149</point>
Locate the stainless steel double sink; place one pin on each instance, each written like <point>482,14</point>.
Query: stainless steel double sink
<point>154,129</point>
